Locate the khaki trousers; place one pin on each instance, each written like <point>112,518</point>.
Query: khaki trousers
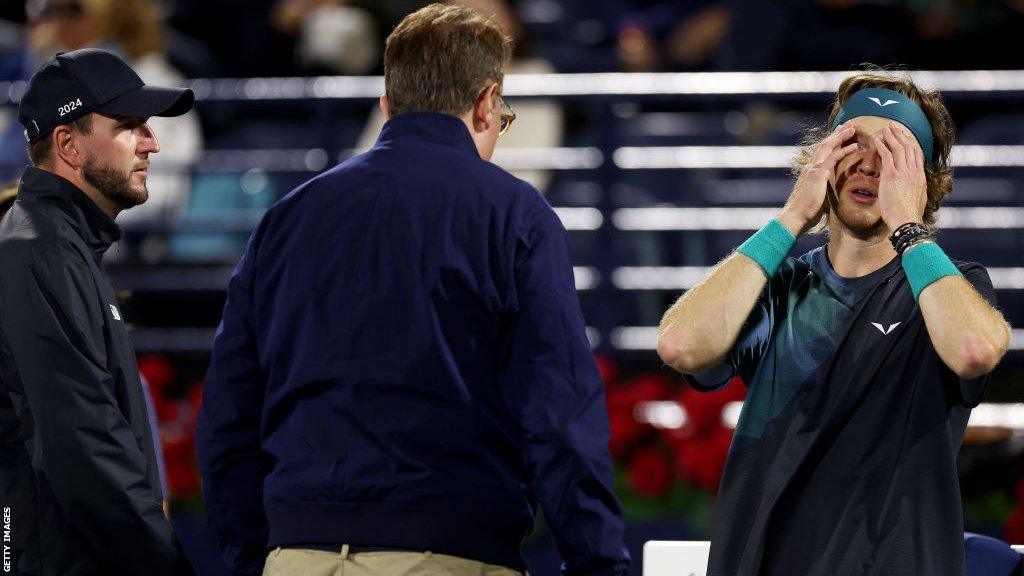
<point>304,562</point>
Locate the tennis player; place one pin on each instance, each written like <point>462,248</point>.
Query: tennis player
<point>862,358</point>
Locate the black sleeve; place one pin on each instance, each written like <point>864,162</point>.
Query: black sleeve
<point>18,486</point>
<point>973,389</point>
<point>79,440</point>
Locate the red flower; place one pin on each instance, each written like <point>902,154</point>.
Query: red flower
<point>607,368</point>
<point>195,395</point>
<point>166,409</point>
<point>625,431</point>
<point>701,459</point>
<point>650,473</point>
<point>622,399</point>
<point>181,467</point>
<point>158,371</point>
<point>704,409</point>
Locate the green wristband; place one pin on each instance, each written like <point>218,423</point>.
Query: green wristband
<point>925,263</point>
<point>769,246</point>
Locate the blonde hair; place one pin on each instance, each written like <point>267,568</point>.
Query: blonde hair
<point>939,174</point>
<point>135,24</point>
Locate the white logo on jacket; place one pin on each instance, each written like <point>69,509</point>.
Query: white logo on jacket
<point>114,312</point>
<point>885,330</point>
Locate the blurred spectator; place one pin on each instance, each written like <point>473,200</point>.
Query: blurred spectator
<point>134,30</point>
<point>664,35</point>
<point>7,196</point>
<point>814,34</point>
<point>332,36</point>
<point>967,34</point>
<point>291,37</point>
<point>239,33</point>
<point>15,64</point>
<point>12,43</point>
<point>539,123</point>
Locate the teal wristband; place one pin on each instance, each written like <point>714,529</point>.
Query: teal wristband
<point>925,263</point>
<point>769,246</point>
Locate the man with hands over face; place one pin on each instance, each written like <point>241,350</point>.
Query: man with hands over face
<point>862,358</point>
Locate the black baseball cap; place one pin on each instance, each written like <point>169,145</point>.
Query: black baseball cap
<point>72,84</point>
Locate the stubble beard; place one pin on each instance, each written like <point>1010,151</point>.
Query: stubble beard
<point>114,184</point>
<point>856,222</point>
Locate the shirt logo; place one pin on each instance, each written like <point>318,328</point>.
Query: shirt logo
<point>884,330</point>
<point>880,103</point>
<point>114,312</point>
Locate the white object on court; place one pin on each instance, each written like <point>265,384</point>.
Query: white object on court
<point>668,558</point>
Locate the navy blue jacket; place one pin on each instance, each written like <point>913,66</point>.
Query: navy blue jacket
<point>402,363</point>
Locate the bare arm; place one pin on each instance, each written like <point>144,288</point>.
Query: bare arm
<point>968,334</point>
<point>702,326</point>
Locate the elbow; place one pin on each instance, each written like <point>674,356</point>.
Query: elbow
<point>679,357</point>
<point>667,350</point>
<point>977,358</point>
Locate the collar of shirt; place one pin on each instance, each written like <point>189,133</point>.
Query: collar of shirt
<point>95,226</point>
<point>848,290</point>
<point>431,127</point>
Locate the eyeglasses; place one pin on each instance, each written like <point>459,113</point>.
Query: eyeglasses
<point>508,115</point>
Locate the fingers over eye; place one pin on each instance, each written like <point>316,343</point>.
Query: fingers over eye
<point>915,156</point>
<point>884,151</point>
<point>909,143</point>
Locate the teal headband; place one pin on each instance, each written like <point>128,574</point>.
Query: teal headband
<point>894,106</point>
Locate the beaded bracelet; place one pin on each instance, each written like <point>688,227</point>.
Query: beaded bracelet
<point>908,234</point>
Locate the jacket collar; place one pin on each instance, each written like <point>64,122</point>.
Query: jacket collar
<point>431,127</point>
<point>95,226</point>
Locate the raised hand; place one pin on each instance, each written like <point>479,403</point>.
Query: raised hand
<point>807,201</point>
<point>902,187</point>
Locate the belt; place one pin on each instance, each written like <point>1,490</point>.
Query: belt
<point>351,549</point>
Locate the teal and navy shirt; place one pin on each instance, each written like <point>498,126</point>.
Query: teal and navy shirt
<point>844,458</point>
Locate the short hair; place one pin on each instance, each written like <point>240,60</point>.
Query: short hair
<point>39,151</point>
<point>939,175</point>
<point>440,57</point>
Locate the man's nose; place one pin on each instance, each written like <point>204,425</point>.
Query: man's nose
<point>148,142</point>
<point>870,161</point>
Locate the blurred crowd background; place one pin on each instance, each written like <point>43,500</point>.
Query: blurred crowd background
<point>648,204</point>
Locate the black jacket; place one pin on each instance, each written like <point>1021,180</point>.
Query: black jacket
<point>79,484</point>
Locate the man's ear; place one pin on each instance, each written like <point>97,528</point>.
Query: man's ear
<point>65,149</point>
<point>485,110</point>
<point>383,102</point>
